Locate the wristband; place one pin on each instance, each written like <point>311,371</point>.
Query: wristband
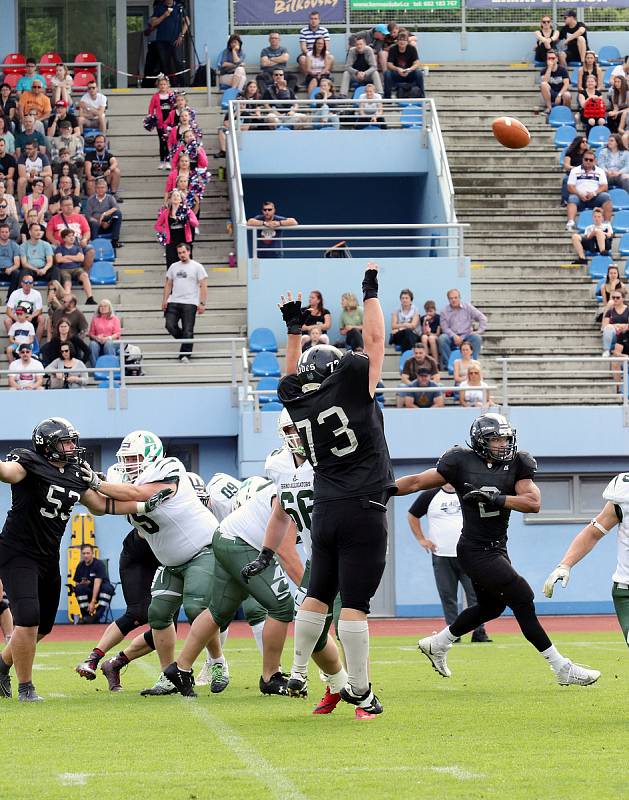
<point>141,507</point>
<point>500,500</point>
<point>267,554</point>
<point>370,284</point>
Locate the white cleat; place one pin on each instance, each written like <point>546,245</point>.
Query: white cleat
<point>576,674</point>
<point>437,655</point>
<point>205,675</point>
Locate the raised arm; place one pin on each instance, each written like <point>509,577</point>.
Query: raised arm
<point>373,325</point>
<point>291,314</point>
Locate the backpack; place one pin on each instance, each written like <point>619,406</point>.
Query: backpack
<point>132,360</point>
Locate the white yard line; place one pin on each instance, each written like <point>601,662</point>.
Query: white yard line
<point>457,772</point>
<point>74,778</point>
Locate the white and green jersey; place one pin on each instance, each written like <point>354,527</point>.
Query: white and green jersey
<point>617,492</point>
<point>222,489</point>
<point>179,528</point>
<point>250,520</point>
<point>295,491</point>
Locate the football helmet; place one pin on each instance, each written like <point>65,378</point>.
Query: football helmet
<point>487,426</point>
<point>137,450</point>
<point>289,435</point>
<point>199,487</point>
<point>248,488</point>
<point>316,364</point>
<point>50,439</point>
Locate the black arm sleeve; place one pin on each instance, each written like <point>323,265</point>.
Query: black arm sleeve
<point>419,508</point>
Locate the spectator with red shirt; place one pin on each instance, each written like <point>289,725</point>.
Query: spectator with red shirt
<point>160,106</point>
<point>105,329</point>
<point>67,218</point>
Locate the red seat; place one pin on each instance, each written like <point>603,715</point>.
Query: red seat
<point>48,63</point>
<point>11,78</point>
<point>85,58</point>
<point>82,78</point>
<point>14,64</point>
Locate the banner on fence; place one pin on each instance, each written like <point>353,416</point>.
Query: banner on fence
<point>546,3</point>
<point>402,5</point>
<point>287,12</point>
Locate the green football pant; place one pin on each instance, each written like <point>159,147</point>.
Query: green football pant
<point>187,584</point>
<point>620,596</point>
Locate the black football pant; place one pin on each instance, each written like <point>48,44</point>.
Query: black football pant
<point>33,588</point>
<point>497,585</point>
<point>136,577</point>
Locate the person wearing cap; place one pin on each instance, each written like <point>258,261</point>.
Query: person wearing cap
<point>418,361</point>
<point>403,67</point>
<point>26,372</point>
<point>26,81</point>
<point>379,38</point>
<point>574,34</point>
<point>72,142</point>
<point>21,332</point>
<point>426,399</point>
<point>307,35</point>
<point>61,114</point>
<point>29,299</point>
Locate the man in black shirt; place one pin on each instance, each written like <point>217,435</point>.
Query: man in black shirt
<point>100,163</point>
<point>403,68</point>
<point>574,34</point>
<point>60,114</point>
<point>93,589</point>
<point>8,167</point>
<point>491,479</point>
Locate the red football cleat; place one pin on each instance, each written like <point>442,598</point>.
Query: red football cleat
<point>362,714</point>
<point>328,702</point>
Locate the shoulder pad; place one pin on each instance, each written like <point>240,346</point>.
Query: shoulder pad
<point>277,461</point>
<point>617,490</point>
<point>165,470</point>
<point>23,456</point>
<point>527,460</point>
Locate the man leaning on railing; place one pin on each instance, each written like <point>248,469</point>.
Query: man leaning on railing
<point>269,243</point>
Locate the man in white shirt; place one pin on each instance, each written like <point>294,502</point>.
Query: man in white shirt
<point>587,188</point>
<point>26,372</point>
<point>622,70</point>
<point>307,35</point>
<point>30,300</point>
<point>445,520</point>
<point>92,109</point>
<point>185,293</point>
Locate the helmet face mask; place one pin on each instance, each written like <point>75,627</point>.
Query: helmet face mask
<point>289,435</point>
<point>57,440</point>
<point>136,452</point>
<point>493,439</point>
<point>316,364</point>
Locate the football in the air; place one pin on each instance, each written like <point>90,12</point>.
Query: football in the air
<point>510,132</point>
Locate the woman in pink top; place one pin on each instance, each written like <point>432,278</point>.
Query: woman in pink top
<point>36,201</point>
<point>160,106</point>
<point>104,330</point>
<point>175,224</point>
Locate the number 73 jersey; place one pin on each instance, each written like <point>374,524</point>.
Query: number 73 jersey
<point>295,491</point>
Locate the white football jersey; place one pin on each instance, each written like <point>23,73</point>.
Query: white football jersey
<point>295,491</point>
<point>250,520</point>
<point>223,490</point>
<point>617,492</point>
<point>182,525</point>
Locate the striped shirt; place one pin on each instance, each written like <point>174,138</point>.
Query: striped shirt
<point>308,36</point>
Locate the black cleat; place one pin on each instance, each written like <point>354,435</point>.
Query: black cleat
<point>297,685</point>
<point>368,702</point>
<point>181,680</point>
<point>5,685</point>
<point>480,635</point>
<point>276,684</point>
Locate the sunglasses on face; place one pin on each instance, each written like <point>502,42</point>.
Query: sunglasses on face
<point>588,159</point>
<point>616,297</point>
<point>64,350</point>
<point>27,283</point>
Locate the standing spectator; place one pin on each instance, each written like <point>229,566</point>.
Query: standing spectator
<point>270,237</point>
<point>614,159</point>
<point>61,114</point>
<point>555,83</point>
<point>574,34</point>
<point>315,315</point>
<point>6,136</point>
<point>457,319</point>
<point>175,225</point>
<point>36,258</point>
<point>103,214</point>
<point>615,321</point>
<point>176,134</point>
<point>25,83</point>
<point>462,365</point>
<point>27,135</point>
<point>21,332</point>
<point>26,373</point>
<point>8,103</point>
<point>597,238</point>
<point>66,218</point>
<point>270,57</point>
<point>170,24</point>
<point>231,64</point>
<point>6,219</point>
<point>36,201</point>
<point>63,334</point>
<point>61,84</point>
<point>618,105</point>
<point>403,68</point>
<point>101,163</point>
<point>307,35</point>
<point>92,107</point>
<point>31,301</point>
<point>59,369</point>
<point>546,38</point>
<point>104,331</point>
<point>361,68</point>
<point>593,111</point>
<point>69,312</point>
<point>181,105</point>
<point>587,188</point>
<point>92,588</point>
<point>8,167</point>
<point>9,253</point>
<point>404,320</point>
<point>35,102</point>
<point>319,64</point>
<point>351,322</point>
<point>192,147</point>
<point>70,258</point>
<point>160,106</point>
<point>370,110</point>
<point>612,282</point>
<point>474,391</point>
<point>31,166</point>
<point>442,509</point>
<point>430,325</point>
<point>185,295</point>
<point>69,141</point>
<point>590,67</point>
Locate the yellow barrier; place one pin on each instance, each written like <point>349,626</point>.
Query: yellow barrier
<point>82,532</point>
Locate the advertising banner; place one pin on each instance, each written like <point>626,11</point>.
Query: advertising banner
<point>286,12</point>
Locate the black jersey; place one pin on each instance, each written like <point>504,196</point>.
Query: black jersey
<point>41,505</point>
<point>342,430</point>
<point>460,466</point>
<point>138,550</point>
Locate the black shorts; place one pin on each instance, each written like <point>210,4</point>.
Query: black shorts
<point>488,566</point>
<point>33,588</point>
<point>349,549</point>
<point>591,245</point>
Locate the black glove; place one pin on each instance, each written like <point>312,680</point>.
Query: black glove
<point>370,284</point>
<point>291,314</point>
<point>489,495</point>
<point>257,566</point>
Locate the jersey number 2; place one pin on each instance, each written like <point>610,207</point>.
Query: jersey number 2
<point>342,430</point>
<point>482,508</point>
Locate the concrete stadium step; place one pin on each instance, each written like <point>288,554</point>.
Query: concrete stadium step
<point>562,318</point>
<point>152,186</point>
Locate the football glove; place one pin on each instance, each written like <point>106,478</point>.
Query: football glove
<point>560,573</point>
<point>257,566</point>
<point>146,506</point>
<point>489,496</point>
<point>90,476</point>
<point>370,282</point>
<point>291,314</point>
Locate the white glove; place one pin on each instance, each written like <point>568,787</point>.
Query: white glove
<point>90,477</point>
<point>560,573</point>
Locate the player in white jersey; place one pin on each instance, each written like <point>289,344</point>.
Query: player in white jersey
<point>222,489</point>
<point>293,476</point>
<point>615,512</point>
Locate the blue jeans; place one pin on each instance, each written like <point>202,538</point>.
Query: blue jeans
<point>594,202</point>
<point>394,79</point>
<point>113,228</point>
<point>609,337</point>
<point>98,349</point>
<point>446,345</point>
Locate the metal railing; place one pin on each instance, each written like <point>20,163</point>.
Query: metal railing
<point>112,378</point>
<point>73,64</point>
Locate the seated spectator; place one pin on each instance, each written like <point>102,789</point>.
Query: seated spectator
<point>351,322</point>
<point>322,116</point>
<point>67,186</point>
<point>66,218</point>
<point>587,188</point>
<point>29,134</point>
<point>160,106</point>
<point>461,365</point>
<point>574,34</point>
<point>101,163</point>
<point>31,166</point>
<point>404,320</point>
<point>185,295</point>
<point>361,68</point>
<point>370,108</point>
<point>307,36</point>
<point>430,325</point>
<point>21,332</point>
<point>315,315</point>
<point>457,319</point>
<point>8,103</point>
<point>278,112</point>
<point>573,157</point>
<point>615,321</point>
<point>61,114</point>
<point>103,214</point>
<point>9,253</point>
<point>555,83</point>
<point>92,107</point>
<point>26,372</point>
<point>25,226</point>
<point>474,391</point>
<point>61,85</point>
<point>318,63</point>
<point>70,258</point>
<point>66,140</point>
<point>597,239</point>
<point>618,101</point>
<point>614,159</point>
<point>424,399</point>
<point>25,83</point>
<point>68,310</point>
<point>175,225</point>
<point>379,39</point>
<point>35,201</point>
<point>104,331</point>
<point>92,588</point>
<point>231,64</point>
<point>35,102</point>
<point>418,362</point>
<point>275,55</point>
<point>403,69</point>
<point>590,67</point>
<point>8,215</point>
<point>545,39</point>
<point>60,377</point>
<point>8,168</point>
<point>31,301</point>
<point>269,244</point>
<point>36,258</point>
<point>6,136</point>
<point>593,111</point>
<point>612,282</point>
<point>315,338</point>
<point>63,334</point>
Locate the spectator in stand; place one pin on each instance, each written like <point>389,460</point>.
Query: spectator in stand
<point>315,315</point>
<point>461,365</point>
<point>6,219</point>
<point>104,331</point>
<point>26,372</point>
<point>319,64</point>
<point>8,168</point>
<point>278,112</point>
<point>430,398</point>
<point>103,214</point>
<point>271,57</point>
<point>66,218</point>
<point>170,23</point>
<point>101,163</point>
<point>322,116</point>
<point>587,188</point>
<point>76,319</point>
<point>68,186</point>
<point>593,111</point>
<point>27,135</point>
<point>420,360</point>
<point>25,83</point>
<point>231,64</point>
<point>7,200</point>
<point>21,332</point>
<point>270,237</point>
<point>614,159</point>
<point>351,322</point>
<point>175,225</point>
<point>361,68</point>
<point>24,228</point>
<point>307,35</point>
<point>370,110</point>
<point>430,329</point>
<point>574,34</point>
<point>160,107</point>
<point>615,321</point>
<point>31,166</point>
<point>71,142</point>
<point>59,115</point>
<point>612,282</point>
<point>404,320</point>
<point>555,83</point>
<point>474,391</point>
<point>6,137</point>
<point>545,39</point>
<point>35,103</point>
<point>185,295</point>
<point>63,334</point>
<point>59,369</point>
<point>92,107</point>
<point>31,301</point>
<point>597,238</point>
<point>315,338</point>
<point>9,253</point>
<point>250,114</point>
<point>377,39</point>
<point>618,105</point>
<point>590,67</point>
<point>403,68</point>
<point>36,258</point>
<point>8,103</point>
<point>622,70</point>
<point>61,85</point>
<point>70,259</point>
<point>36,201</point>
<point>573,158</point>
<point>457,319</point>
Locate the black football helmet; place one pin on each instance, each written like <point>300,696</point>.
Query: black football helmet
<point>316,364</point>
<point>198,484</point>
<point>484,428</point>
<point>49,437</point>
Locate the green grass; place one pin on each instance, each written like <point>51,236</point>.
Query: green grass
<point>499,728</point>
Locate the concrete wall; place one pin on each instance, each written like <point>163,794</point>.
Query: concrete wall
<point>8,29</point>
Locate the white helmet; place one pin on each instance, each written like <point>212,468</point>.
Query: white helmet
<point>289,435</point>
<point>137,451</point>
<point>248,488</point>
<point>198,484</point>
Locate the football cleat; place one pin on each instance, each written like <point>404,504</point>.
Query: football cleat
<point>182,681</point>
<point>367,702</point>
<point>572,673</point>
<point>297,685</point>
<point>436,655</point>
<point>220,678</point>
<point>161,688</point>
<point>87,669</point>
<point>480,635</point>
<point>276,684</point>
<point>328,702</point>
<point>360,713</point>
<point>5,685</point>
<point>111,670</point>
<point>204,678</point>
<point>29,695</point>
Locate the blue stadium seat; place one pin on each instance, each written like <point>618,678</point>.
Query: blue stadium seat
<point>584,219</point>
<point>607,78</point>
<point>370,128</point>
<point>574,63</point>
<point>103,273</point>
<point>598,136</point>
<point>277,407</point>
<point>266,365</point>
<point>609,54</point>
<point>284,128</point>
<point>564,135</point>
<point>412,117</point>
<point>599,289</point>
<point>104,250</point>
<point>574,77</point>
<point>620,199</point>
<point>454,354</point>
<point>262,340</point>
<point>623,245</point>
<point>598,266</point>
<point>265,385</point>
<point>562,155</point>
<point>229,94</point>
<point>620,222</point>
<point>539,64</point>
<point>106,361</point>
<point>359,91</point>
<point>560,116</point>
<point>105,384</point>
<point>404,357</point>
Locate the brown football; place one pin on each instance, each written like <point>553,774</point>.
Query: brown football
<point>510,132</point>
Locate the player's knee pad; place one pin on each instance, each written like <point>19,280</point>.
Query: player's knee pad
<point>148,638</point>
<point>129,622</point>
<point>26,612</point>
<point>161,613</point>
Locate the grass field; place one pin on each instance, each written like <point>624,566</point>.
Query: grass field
<point>499,728</point>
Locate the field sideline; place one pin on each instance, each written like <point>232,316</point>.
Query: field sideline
<point>499,728</point>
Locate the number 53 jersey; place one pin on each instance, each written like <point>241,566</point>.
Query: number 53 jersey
<point>295,493</point>
<point>41,505</point>
<point>342,430</point>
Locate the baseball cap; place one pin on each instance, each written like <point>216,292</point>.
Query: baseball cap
<point>20,310</point>
<point>25,346</point>
<point>61,103</point>
<point>381,29</point>
<point>423,371</point>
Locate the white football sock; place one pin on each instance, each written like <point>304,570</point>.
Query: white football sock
<point>256,630</point>
<point>354,636</point>
<point>222,637</point>
<point>220,660</point>
<point>444,637</point>
<point>338,681</point>
<point>554,658</point>
<point>308,628</point>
